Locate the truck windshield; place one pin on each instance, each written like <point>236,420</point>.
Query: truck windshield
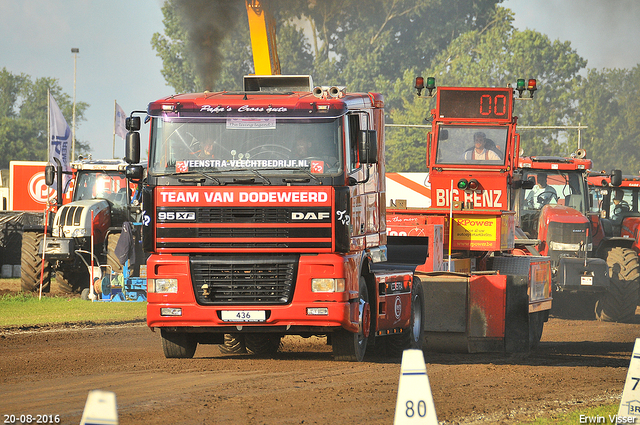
<point>471,145</point>
<point>180,145</point>
<point>556,188</point>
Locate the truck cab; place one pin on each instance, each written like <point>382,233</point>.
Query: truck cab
<point>264,214</point>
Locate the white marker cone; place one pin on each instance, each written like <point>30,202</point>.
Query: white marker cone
<point>415,401</point>
<point>100,409</point>
<point>630,402</point>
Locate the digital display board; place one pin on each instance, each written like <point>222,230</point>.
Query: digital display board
<point>490,104</point>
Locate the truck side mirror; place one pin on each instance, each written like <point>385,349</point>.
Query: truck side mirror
<point>49,174</point>
<point>134,172</point>
<point>368,147</point>
<point>616,178</point>
<point>132,123</point>
<point>132,147</point>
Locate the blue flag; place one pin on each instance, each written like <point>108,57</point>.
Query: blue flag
<point>60,142</point>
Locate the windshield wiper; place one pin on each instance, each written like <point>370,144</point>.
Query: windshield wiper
<point>296,180</point>
<point>184,177</point>
<point>266,181</point>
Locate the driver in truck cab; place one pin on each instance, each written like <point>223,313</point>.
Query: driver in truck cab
<point>541,194</point>
<point>480,151</point>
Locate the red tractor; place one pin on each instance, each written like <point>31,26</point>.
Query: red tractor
<point>591,273</point>
<point>616,198</point>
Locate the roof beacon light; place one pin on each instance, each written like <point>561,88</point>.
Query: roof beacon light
<point>419,85</point>
<point>520,86</point>
<point>431,84</point>
<point>532,86</point>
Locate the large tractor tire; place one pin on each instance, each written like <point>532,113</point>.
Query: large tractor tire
<point>233,344</point>
<point>72,280</point>
<point>348,346</point>
<point>31,263</point>
<point>413,336</point>
<point>262,344</point>
<point>619,303</point>
<point>177,345</point>
<point>112,259</point>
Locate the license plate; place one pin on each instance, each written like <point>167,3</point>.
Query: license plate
<point>586,280</point>
<point>243,315</point>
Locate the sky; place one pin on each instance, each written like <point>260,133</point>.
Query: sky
<point>117,63</point>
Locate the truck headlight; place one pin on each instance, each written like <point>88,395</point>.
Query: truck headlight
<point>327,285</point>
<point>162,286</point>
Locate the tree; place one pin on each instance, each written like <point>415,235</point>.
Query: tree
<point>364,45</point>
<point>607,103</point>
<point>495,56</point>
<point>23,116</point>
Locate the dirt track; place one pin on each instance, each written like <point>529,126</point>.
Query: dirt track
<point>50,371</point>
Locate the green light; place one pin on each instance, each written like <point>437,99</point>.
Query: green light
<point>462,184</point>
<point>431,82</point>
<point>520,84</point>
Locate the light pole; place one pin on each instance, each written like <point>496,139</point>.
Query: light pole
<point>75,52</point>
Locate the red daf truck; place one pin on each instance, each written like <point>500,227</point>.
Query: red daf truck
<point>264,217</point>
<point>489,290</point>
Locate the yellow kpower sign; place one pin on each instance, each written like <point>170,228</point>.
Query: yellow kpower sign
<point>473,233</point>
<point>483,232</point>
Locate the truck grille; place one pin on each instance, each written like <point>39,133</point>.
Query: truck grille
<point>246,280</point>
<point>245,228</point>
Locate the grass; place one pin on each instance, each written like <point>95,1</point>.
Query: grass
<point>601,414</point>
<point>23,309</point>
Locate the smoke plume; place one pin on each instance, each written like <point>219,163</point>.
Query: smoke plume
<point>207,23</point>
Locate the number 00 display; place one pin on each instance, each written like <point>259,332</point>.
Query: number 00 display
<point>475,104</point>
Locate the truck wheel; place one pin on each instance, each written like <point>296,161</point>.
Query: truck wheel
<point>176,345</point>
<point>348,346</point>
<point>72,281</point>
<point>112,259</point>
<point>536,325</point>
<point>619,303</point>
<point>233,344</point>
<point>262,344</point>
<point>413,336</point>
<point>31,264</point>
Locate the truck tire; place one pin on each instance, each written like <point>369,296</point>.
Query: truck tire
<point>72,280</point>
<point>262,344</point>
<point>536,326</point>
<point>349,346</point>
<point>177,345</point>
<point>31,264</point>
<point>112,259</point>
<point>233,344</point>
<point>413,336</point>
<point>619,303</point>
